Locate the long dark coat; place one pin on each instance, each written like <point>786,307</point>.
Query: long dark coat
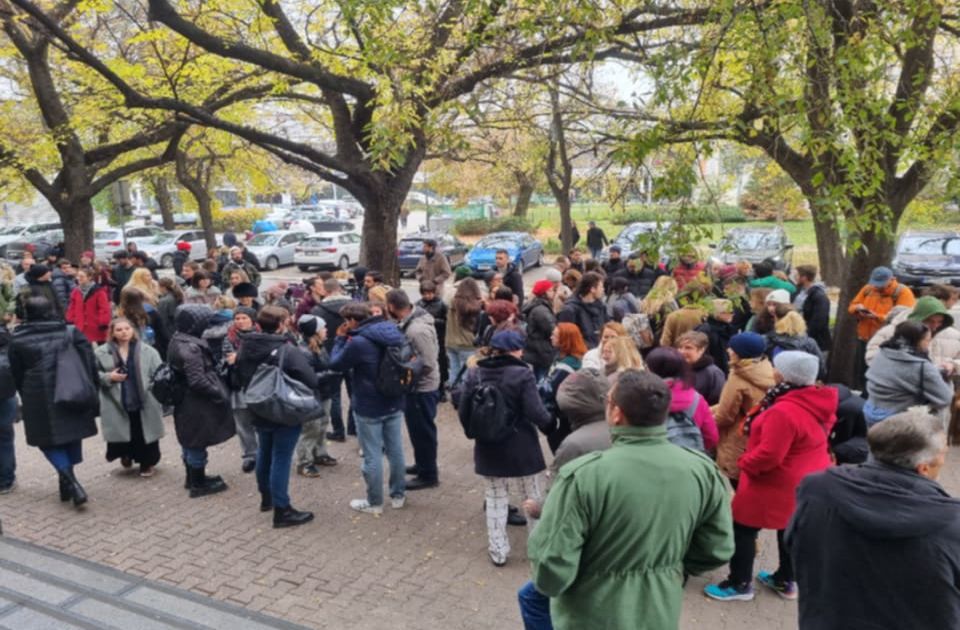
<point>203,418</point>
<point>33,362</point>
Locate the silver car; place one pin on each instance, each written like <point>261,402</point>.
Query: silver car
<point>275,249</point>
<point>108,241</point>
<point>164,245</point>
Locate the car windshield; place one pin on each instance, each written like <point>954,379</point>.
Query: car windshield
<point>164,237</point>
<point>630,233</point>
<point>318,242</point>
<point>411,243</point>
<point>930,244</point>
<point>105,236</point>
<point>263,240</point>
<point>751,240</point>
<point>498,242</point>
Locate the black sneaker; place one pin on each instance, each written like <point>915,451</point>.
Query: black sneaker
<point>308,470</point>
<point>515,518</point>
<point>248,465</point>
<point>336,437</point>
<point>7,488</point>
<point>421,484</point>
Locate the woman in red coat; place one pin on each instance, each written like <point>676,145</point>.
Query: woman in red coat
<point>787,440</point>
<point>89,308</point>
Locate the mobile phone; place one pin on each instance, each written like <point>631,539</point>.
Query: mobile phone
<point>121,369</point>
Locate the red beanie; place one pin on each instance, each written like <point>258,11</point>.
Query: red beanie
<point>541,287</point>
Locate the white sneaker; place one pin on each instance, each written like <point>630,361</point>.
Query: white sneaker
<point>398,502</point>
<point>362,505</point>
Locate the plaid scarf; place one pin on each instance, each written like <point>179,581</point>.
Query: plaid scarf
<point>766,402</point>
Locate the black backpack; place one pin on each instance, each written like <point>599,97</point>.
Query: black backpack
<point>399,370</point>
<point>485,415</point>
<point>168,386</point>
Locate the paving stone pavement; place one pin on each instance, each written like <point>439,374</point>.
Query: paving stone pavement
<point>422,567</point>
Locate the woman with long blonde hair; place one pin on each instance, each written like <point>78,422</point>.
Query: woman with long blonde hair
<point>619,354</point>
<point>142,279</point>
<point>660,302</point>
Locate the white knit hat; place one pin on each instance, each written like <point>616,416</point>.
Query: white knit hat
<point>779,296</point>
<point>797,368</point>
<point>553,274</point>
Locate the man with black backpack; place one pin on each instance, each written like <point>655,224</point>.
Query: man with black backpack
<point>363,344</point>
<point>500,409</point>
<point>420,409</point>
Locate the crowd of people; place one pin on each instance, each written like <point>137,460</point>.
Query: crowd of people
<point>684,408</point>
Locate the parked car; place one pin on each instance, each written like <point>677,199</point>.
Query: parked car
<point>106,242</point>
<point>164,246</point>
<point>627,238</point>
<point>13,233</point>
<point>928,257</point>
<point>179,218</point>
<point>524,250</point>
<point>755,244</point>
<point>328,250</point>
<point>333,225</point>
<point>275,249</point>
<point>410,249</point>
<point>43,243</point>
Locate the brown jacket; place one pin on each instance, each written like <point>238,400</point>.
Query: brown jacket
<point>435,269</point>
<point>679,322</point>
<point>749,380</point>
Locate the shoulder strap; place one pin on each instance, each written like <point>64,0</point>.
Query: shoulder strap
<point>692,409</point>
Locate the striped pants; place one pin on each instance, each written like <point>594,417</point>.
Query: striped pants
<point>498,504</point>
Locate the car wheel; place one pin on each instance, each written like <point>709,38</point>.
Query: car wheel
<point>540,259</point>
<point>272,263</point>
<point>344,263</point>
<point>166,261</point>
<point>303,268</point>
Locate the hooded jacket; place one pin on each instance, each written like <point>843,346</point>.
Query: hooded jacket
<point>875,546</point>
<point>641,278</point>
<point>513,279</point>
<point>681,321</point>
<point>681,400</point>
<point>329,311</point>
<point>719,333</point>
<point>815,308</point>
<point>204,417</point>
<point>787,442</point>
<point>583,400</point>
<point>621,527</point>
<point>538,314</point>
<point>90,312</point>
<point>361,350</point>
<point>708,379</point>
<point>898,379</point>
<point>749,380</point>
<point>589,317</point>
<point>778,342</point>
<point>945,347</point>
<point>419,328</point>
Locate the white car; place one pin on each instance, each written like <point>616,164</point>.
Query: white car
<point>14,233</point>
<point>328,249</point>
<point>164,245</point>
<point>106,242</point>
<point>275,249</point>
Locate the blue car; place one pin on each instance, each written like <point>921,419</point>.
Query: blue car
<point>525,251</point>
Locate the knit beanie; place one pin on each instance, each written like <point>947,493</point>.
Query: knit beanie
<point>553,275</point>
<point>309,325</point>
<point>246,310</point>
<point>37,271</point>
<point>797,367</point>
<point>582,397</point>
<point>461,272</point>
<point>779,296</point>
<point>748,345</point>
<point>541,287</point>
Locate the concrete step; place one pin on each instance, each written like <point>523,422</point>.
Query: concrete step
<point>41,589</point>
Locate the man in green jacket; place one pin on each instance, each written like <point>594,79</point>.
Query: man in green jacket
<point>622,527</point>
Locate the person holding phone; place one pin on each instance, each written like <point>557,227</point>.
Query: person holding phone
<point>870,308</point>
<point>132,419</point>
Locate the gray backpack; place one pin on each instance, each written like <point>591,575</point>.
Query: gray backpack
<point>682,430</point>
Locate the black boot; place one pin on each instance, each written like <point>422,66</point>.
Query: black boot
<point>186,479</point>
<point>201,485</point>
<point>64,486</point>
<point>77,493</point>
<point>266,502</point>
<point>290,517</point>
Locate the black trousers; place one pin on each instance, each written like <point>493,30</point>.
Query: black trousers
<point>745,551</point>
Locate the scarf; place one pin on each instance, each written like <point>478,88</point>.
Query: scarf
<point>766,402</point>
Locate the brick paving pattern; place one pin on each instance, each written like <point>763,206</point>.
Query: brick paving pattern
<point>422,567</point>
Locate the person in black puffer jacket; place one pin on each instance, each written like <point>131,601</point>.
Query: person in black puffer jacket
<point>640,275</point>
<point>790,333</point>
<point>277,442</point>
<point>8,413</point>
<point>520,457</point>
<point>538,314</point>
<point>56,431</point>
<point>329,311</point>
<point>586,309</point>
<point>312,446</point>
<point>203,417</point>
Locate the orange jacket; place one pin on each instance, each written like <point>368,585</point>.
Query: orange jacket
<point>880,302</point>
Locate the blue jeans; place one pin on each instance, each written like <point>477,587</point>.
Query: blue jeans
<point>421,416</point>
<point>277,444</point>
<point>534,608</point>
<point>376,435</point>
<point>873,414</point>
<point>457,358</point>
<point>65,456</point>
<point>595,252</point>
<point>8,458</point>
<point>195,457</point>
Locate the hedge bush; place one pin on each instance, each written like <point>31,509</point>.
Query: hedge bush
<point>240,218</point>
<point>476,227</point>
<point>710,214</point>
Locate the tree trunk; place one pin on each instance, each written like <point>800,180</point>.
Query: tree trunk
<point>77,221</point>
<point>205,210</point>
<point>378,246</point>
<point>833,262</point>
<point>876,249</point>
<point>566,223</point>
<point>161,190</point>
<point>524,193</point>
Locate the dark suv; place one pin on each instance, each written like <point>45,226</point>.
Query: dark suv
<point>755,244</point>
<point>928,257</point>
